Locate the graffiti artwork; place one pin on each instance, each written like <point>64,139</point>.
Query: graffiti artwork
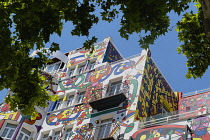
<point>164,132</point>
<point>93,83</point>
<point>5,113</point>
<point>196,104</point>
<point>200,127</point>
<point>155,93</point>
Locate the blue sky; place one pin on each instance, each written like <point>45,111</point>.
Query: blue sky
<point>171,64</point>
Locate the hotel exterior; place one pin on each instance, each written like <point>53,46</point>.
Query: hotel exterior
<point>105,96</point>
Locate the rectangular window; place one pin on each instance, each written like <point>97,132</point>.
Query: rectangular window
<point>50,68</point>
<point>71,72</point>
<point>9,130</point>
<point>45,137</point>
<point>56,136</point>
<point>58,104</point>
<point>105,128</point>
<point>115,88</point>
<point>80,97</point>
<point>91,66</point>
<point>81,69</point>
<point>24,134</point>
<point>70,100</point>
<point>67,135</point>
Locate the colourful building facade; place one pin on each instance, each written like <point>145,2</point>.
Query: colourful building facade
<point>105,96</point>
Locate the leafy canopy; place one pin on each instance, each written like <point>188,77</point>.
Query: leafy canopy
<point>26,25</point>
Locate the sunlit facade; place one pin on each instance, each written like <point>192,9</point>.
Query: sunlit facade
<point>105,96</point>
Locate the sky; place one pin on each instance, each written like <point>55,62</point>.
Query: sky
<point>171,64</point>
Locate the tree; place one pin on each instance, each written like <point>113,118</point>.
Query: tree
<point>28,24</point>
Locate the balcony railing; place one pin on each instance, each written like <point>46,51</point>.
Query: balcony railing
<point>170,117</point>
<point>196,92</point>
<point>103,132</point>
<point>104,93</point>
<point>101,99</point>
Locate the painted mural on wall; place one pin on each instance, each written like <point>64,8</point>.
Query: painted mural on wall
<point>111,54</point>
<point>85,55</point>
<point>93,82</point>
<point>200,130</point>
<point>164,132</point>
<point>155,93</point>
<point>7,114</point>
<point>201,127</point>
<point>195,105</point>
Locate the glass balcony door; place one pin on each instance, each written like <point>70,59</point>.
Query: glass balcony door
<point>105,128</point>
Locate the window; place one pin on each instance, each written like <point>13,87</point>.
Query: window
<point>81,69</point>
<point>91,66</point>
<point>58,104</point>
<point>80,97</point>
<point>71,72</point>
<point>67,135</point>
<point>105,128</point>
<point>50,68</point>
<point>55,66</point>
<point>8,131</point>
<point>115,88</point>
<point>45,137</point>
<point>56,136</point>
<point>70,100</point>
<point>24,134</point>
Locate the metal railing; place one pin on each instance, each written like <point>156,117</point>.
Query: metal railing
<point>102,131</point>
<point>196,92</point>
<point>170,117</point>
<point>105,92</point>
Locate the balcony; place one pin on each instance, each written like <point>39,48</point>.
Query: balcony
<point>108,131</point>
<point>113,98</point>
<point>169,117</point>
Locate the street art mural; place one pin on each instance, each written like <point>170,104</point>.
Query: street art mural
<point>85,55</point>
<point>93,83</point>
<point>111,54</point>
<point>155,93</point>
<point>200,127</point>
<point>164,132</point>
<point>195,105</point>
<point>7,114</point>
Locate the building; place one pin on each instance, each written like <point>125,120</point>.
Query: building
<point>104,96</point>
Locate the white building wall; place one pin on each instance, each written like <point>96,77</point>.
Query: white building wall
<point>82,117</point>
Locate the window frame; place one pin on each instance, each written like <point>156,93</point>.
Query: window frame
<point>58,104</point>
<point>79,99</point>
<point>68,100</point>
<point>56,135</point>
<point>71,72</point>
<point>67,133</point>
<point>24,134</point>
<point>105,128</point>
<point>8,132</point>
<point>80,69</point>
<point>115,87</point>
<point>91,65</point>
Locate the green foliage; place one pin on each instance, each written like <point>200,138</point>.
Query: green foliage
<point>196,46</point>
<point>26,25</point>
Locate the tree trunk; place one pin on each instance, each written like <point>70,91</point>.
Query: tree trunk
<point>205,4</point>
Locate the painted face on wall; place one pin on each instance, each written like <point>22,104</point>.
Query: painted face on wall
<point>200,125</point>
